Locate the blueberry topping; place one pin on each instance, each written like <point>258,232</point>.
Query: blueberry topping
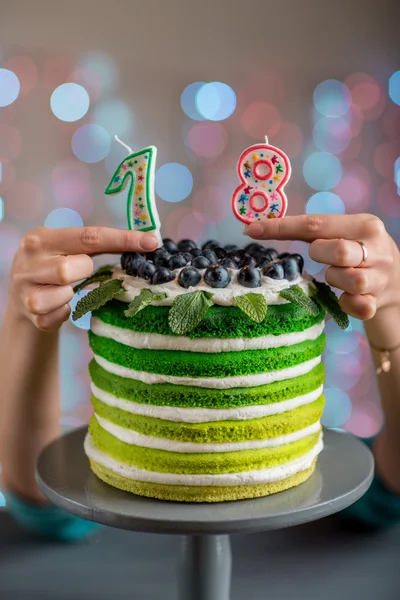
<point>177,261</point>
<point>210,245</point>
<point>201,262</point>
<point>220,252</point>
<point>188,256</point>
<point>283,254</point>
<point>263,261</point>
<point>233,255</point>
<point>161,257</point>
<point>274,270</point>
<point>195,251</point>
<point>231,247</point>
<point>189,277</point>
<point>290,268</point>
<point>217,277</point>
<point>300,261</point>
<point>146,270</point>
<point>186,245</point>
<point>210,254</point>
<point>250,277</point>
<point>169,245</point>
<point>253,248</point>
<point>272,252</point>
<point>132,262</point>
<point>162,275</point>
<point>228,263</point>
<point>247,261</point>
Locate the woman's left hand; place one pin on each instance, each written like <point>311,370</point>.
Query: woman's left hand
<point>335,240</point>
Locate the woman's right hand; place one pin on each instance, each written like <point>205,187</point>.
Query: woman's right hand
<point>49,261</point>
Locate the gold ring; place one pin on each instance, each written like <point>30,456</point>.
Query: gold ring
<point>365,253</point>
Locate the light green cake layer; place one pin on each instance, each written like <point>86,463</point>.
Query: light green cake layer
<point>212,463</point>
<point>197,364</point>
<point>167,394</point>
<point>192,493</point>
<point>215,431</point>
<point>219,322</point>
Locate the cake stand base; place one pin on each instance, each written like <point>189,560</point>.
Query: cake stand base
<point>343,474</point>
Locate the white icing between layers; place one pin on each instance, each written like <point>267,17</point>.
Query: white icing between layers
<point>156,341</point>
<point>270,289</point>
<point>244,478</point>
<point>211,382</point>
<point>205,415</point>
<point>128,436</point>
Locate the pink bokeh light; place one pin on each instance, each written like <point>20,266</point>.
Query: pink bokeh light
<point>192,227</point>
<point>26,71</point>
<point>366,420</point>
<point>212,203</point>
<point>354,188</point>
<point>352,151</point>
<point>56,70</point>
<point>260,119</point>
<point>72,187</point>
<point>90,80</point>
<point>290,138</point>
<point>366,95</point>
<point>171,224</point>
<point>389,199</point>
<point>10,142</point>
<point>385,157</point>
<point>7,175</point>
<point>391,122</point>
<point>24,200</point>
<point>223,173</point>
<point>207,139</point>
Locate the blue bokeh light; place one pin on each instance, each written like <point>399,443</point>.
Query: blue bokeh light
<point>394,87</point>
<point>69,102</point>
<point>91,143</point>
<point>83,322</point>
<point>337,408</point>
<point>322,171</point>
<point>339,340</point>
<point>9,87</point>
<point>174,182</point>
<point>115,116</point>
<point>215,101</point>
<point>325,203</point>
<point>1,208</point>
<point>396,174</point>
<point>104,67</point>
<point>332,134</point>
<point>188,100</point>
<point>344,368</point>
<point>332,98</point>
<point>63,217</point>
<point>2,500</point>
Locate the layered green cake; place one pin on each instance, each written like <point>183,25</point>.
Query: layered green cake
<point>209,388</point>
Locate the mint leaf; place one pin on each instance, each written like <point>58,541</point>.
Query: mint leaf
<point>296,295</point>
<point>188,310</point>
<point>98,297</point>
<point>253,305</point>
<point>329,301</point>
<point>145,298</point>
<point>102,274</point>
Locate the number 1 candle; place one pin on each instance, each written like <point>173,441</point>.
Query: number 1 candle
<point>264,171</point>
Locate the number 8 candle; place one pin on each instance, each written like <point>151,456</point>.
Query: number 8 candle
<point>264,171</point>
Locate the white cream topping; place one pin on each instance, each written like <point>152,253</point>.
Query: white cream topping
<point>211,382</point>
<point>205,415</point>
<point>270,288</point>
<point>148,441</point>
<point>244,478</point>
<point>156,341</point>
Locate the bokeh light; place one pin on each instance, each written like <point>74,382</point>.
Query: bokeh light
<point>366,420</point>
<point>352,151</point>
<point>310,265</point>
<point>260,119</point>
<point>337,408</point>
<point>9,87</point>
<point>1,208</point>
<point>397,174</point>
<point>354,189</point>
<point>188,100</point>
<point>24,200</point>
<point>212,203</point>
<point>288,137</point>
<point>10,142</point>
<point>9,243</point>
<point>173,182</point>
<point>207,139</point>
<point>325,203</point>
<point>7,175</point>
<point>26,71</point>
<point>115,116</point>
<point>2,500</point>
<point>83,322</point>
<point>332,98</point>
<point>191,227</point>
<point>91,143</point>
<point>389,200</point>
<point>343,368</point>
<point>69,102</point>
<point>56,71</point>
<point>339,340</point>
<point>385,157</point>
<point>322,171</point>
<point>332,134</point>
<point>90,80</point>
<point>63,217</point>
<point>215,101</point>
<point>394,88</point>
<point>391,122</point>
<point>104,67</point>
<point>174,217</point>
<point>72,186</point>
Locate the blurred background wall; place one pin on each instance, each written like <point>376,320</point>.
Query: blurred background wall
<point>201,81</point>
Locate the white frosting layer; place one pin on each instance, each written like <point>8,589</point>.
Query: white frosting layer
<point>148,441</point>
<point>244,478</point>
<point>270,289</point>
<point>156,341</point>
<point>211,382</point>
<point>205,415</point>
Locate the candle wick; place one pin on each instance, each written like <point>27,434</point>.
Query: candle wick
<point>266,139</point>
<point>123,144</point>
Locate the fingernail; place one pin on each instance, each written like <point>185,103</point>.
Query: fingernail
<point>254,230</point>
<point>148,241</point>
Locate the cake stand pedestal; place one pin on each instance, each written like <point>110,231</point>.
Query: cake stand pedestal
<point>343,474</point>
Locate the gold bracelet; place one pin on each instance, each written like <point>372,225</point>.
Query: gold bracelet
<point>385,365</point>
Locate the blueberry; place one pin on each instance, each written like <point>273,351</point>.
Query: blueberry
<point>188,257</point>
<point>290,268</point>
<point>272,252</point>
<point>228,263</point>
<point>132,262</point>
<point>247,261</point>
<point>146,270</point>
<point>263,261</point>
<point>169,245</point>
<point>233,255</point>
<point>189,277</point>
<point>161,257</point>
<point>210,254</point>
<point>162,275</point>
<point>195,252</point>
<point>250,277</point>
<point>217,276</point>
<point>210,245</point>
<point>231,247</point>
<point>177,261</point>
<point>186,245</point>
<point>253,248</point>
<point>274,270</point>
<point>201,262</point>
<point>283,254</point>
<point>300,261</point>
<point>220,252</point>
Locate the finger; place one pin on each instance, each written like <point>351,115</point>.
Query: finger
<point>61,270</point>
<point>52,320</point>
<point>339,253</point>
<point>360,307</point>
<point>95,240</point>
<point>355,281</point>
<point>41,300</point>
<point>309,227</point>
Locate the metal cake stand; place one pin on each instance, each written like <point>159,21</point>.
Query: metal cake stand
<point>343,474</point>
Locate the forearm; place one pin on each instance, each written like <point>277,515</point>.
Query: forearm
<point>29,400</point>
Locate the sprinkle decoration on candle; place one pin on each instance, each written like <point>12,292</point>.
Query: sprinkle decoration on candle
<point>138,170</point>
<point>264,171</point>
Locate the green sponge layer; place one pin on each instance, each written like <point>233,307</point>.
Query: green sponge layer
<point>215,463</point>
<point>215,431</point>
<point>219,322</point>
<point>197,364</point>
